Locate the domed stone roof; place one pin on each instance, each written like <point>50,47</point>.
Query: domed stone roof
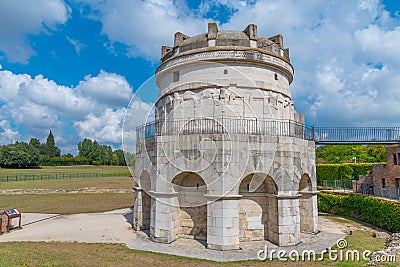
<point>216,39</point>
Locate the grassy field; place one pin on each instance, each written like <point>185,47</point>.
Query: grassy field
<point>66,169</point>
<point>78,254</point>
<point>56,173</point>
<point>78,183</point>
<point>66,203</point>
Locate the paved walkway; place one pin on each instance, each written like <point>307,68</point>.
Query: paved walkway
<point>107,227</point>
<point>114,227</point>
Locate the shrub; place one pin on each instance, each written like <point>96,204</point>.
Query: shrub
<point>382,213</point>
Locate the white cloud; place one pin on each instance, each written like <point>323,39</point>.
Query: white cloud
<point>109,88</point>
<point>94,109</point>
<point>104,128</point>
<point>19,18</point>
<point>77,45</point>
<point>379,45</point>
<point>144,26</point>
<point>7,135</point>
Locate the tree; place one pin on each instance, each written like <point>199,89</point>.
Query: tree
<point>50,147</point>
<point>85,148</point>
<point>34,142</point>
<point>19,155</point>
<point>120,157</point>
<point>347,153</point>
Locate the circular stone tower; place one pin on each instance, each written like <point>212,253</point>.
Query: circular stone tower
<point>227,158</point>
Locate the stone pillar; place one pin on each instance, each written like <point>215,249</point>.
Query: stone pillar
<point>138,209</point>
<point>164,226</point>
<point>309,212</point>
<point>223,222</point>
<point>288,224</point>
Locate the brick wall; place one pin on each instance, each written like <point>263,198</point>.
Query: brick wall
<point>390,172</point>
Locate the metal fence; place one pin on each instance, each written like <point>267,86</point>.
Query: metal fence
<point>337,185</point>
<point>355,135</point>
<point>223,125</point>
<point>392,193</point>
<point>57,176</point>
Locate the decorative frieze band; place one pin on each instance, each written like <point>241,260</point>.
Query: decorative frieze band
<point>249,55</point>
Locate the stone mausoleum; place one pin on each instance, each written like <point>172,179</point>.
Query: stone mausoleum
<point>226,158</point>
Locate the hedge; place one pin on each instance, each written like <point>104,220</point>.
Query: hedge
<point>381,213</point>
<point>343,171</point>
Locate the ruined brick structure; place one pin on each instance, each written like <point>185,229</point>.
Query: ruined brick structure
<point>226,159</point>
<point>382,175</point>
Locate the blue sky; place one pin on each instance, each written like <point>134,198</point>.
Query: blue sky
<point>73,66</point>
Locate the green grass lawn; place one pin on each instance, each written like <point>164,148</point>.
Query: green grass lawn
<point>66,169</point>
<point>78,183</point>
<point>56,173</point>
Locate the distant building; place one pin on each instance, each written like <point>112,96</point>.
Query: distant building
<point>384,179</point>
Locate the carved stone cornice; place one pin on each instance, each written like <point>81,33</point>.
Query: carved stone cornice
<point>253,56</point>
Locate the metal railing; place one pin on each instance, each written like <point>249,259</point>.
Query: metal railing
<point>388,192</point>
<point>337,185</point>
<point>254,126</point>
<point>356,135</point>
<point>223,125</point>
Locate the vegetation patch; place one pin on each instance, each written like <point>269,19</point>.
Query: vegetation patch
<point>342,171</point>
<point>381,213</point>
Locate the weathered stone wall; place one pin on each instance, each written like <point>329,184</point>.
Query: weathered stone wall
<point>220,184</point>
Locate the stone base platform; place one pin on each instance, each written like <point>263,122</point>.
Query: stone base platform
<point>327,237</point>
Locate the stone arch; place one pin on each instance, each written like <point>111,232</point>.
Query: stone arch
<point>145,184</point>
<point>258,208</point>
<point>306,204</point>
<point>191,217</point>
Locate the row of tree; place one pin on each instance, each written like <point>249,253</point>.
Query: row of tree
<point>350,153</point>
<point>34,154</point>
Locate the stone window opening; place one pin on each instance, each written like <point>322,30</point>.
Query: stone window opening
<point>276,76</point>
<point>248,187</point>
<point>225,71</point>
<point>398,182</point>
<point>176,76</point>
<point>383,183</point>
<point>197,186</point>
<point>394,159</point>
<point>398,157</point>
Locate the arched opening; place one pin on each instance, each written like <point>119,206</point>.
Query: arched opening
<point>192,211</point>
<point>145,183</point>
<point>257,208</point>
<point>306,204</point>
